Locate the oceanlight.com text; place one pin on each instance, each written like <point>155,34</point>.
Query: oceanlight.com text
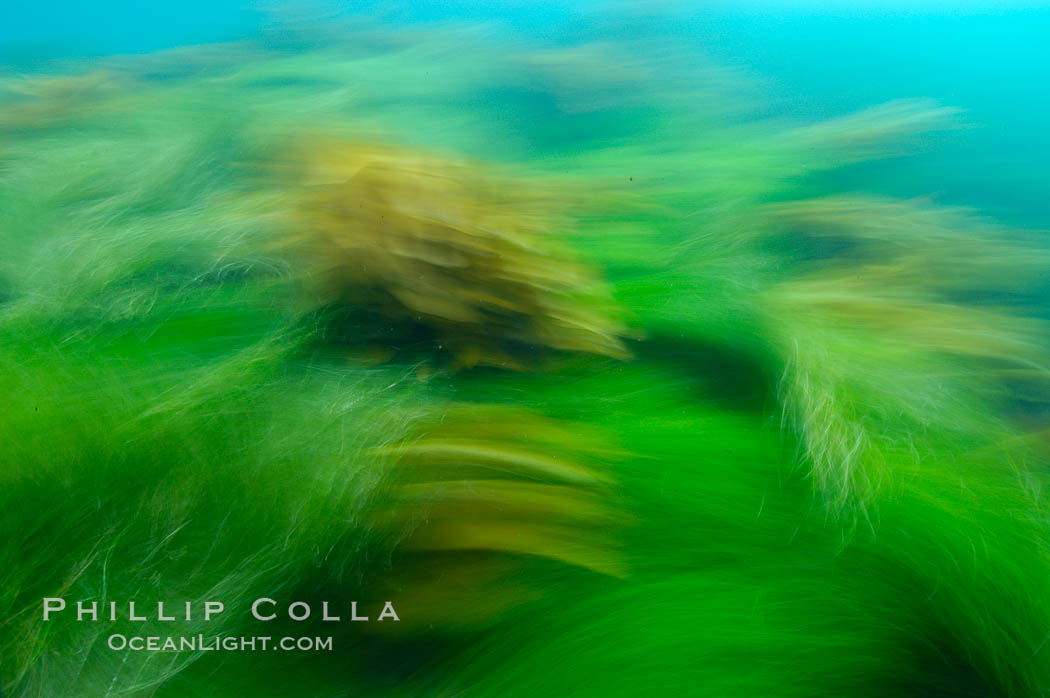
<point>217,643</point>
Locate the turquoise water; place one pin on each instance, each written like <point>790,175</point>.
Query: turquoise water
<point>814,60</point>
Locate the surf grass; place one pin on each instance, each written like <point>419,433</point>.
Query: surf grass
<point>814,477</point>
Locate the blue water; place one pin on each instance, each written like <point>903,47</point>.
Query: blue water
<point>814,60</point>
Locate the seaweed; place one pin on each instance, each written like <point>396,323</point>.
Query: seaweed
<point>583,369</point>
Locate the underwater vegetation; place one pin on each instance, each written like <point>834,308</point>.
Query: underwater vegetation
<point>562,349</point>
<point>437,244</point>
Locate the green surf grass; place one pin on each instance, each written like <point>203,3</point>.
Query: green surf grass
<point>823,465</point>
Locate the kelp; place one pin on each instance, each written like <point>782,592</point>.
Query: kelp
<point>477,493</point>
<point>443,247</point>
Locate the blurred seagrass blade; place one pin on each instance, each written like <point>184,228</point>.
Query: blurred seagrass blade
<point>881,131</point>
<point>946,252</point>
<point>31,103</point>
<point>891,336</point>
<point>481,493</point>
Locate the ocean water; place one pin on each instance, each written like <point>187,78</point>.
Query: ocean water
<point>814,60</point>
<point>524,349</point>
